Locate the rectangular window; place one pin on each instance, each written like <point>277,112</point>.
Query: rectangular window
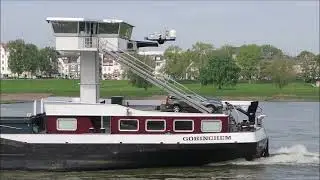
<point>211,125</point>
<point>128,125</point>
<point>65,27</point>
<point>155,125</point>
<point>66,124</point>
<point>125,31</point>
<point>108,28</point>
<point>183,125</point>
<point>82,27</point>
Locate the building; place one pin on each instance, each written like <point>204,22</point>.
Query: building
<point>158,57</point>
<point>110,69</point>
<point>69,67</point>
<point>318,83</point>
<point>4,63</point>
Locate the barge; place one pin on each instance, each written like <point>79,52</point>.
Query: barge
<point>90,135</point>
<point>77,136</point>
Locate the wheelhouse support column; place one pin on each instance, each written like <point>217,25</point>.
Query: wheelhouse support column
<point>89,77</point>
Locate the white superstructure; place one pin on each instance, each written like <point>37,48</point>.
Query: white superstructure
<point>87,38</point>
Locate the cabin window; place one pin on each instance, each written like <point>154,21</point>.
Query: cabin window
<point>183,125</point>
<point>125,31</point>
<point>65,27</point>
<point>108,28</point>
<point>211,125</point>
<point>128,125</point>
<point>66,124</point>
<point>155,125</point>
<point>82,27</point>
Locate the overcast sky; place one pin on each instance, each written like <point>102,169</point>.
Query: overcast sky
<point>292,25</point>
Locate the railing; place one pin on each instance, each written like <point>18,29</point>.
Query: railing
<point>164,82</point>
<point>88,42</point>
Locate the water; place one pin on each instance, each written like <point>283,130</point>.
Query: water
<point>293,128</point>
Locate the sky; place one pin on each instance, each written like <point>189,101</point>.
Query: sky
<point>292,26</point>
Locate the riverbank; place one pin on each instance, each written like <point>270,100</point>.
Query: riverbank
<point>29,90</point>
<point>29,97</point>
<point>6,98</point>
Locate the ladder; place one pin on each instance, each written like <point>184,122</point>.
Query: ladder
<point>162,81</point>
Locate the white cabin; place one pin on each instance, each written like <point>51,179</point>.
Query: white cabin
<point>80,34</point>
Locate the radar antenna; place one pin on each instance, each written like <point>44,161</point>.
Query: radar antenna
<point>161,38</point>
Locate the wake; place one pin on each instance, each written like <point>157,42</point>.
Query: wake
<point>295,155</point>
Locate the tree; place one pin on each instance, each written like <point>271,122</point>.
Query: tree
<point>221,70</point>
<point>264,71</point>
<point>187,64</point>
<point>317,66</point>
<point>175,65</point>
<point>136,80</point>
<point>230,50</point>
<point>309,65</point>
<point>31,58</point>
<point>199,55</point>
<point>248,60</point>
<point>281,72</point>
<point>17,52</point>
<point>269,52</point>
<point>48,61</point>
<point>189,68</point>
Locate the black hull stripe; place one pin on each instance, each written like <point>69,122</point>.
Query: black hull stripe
<point>17,155</point>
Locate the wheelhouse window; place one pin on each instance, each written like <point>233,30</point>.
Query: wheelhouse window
<point>183,125</point>
<point>157,125</point>
<point>211,125</point>
<point>66,124</point>
<point>125,31</point>
<point>65,27</point>
<point>128,125</point>
<point>108,28</point>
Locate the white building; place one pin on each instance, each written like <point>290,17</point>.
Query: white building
<point>62,66</point>
<point>4,65</point>
<point>110,69</point>
<point>158,57</point>
<point>69,67</point>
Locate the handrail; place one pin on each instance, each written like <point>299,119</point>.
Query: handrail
<point>163,85</point>
<point>164,76</point>
<point>149,75</point>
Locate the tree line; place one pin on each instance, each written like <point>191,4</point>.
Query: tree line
<point>27,57</point>
<point>204,63</point>
<point>226,65</point>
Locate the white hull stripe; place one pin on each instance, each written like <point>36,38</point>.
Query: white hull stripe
<point>208,138</point>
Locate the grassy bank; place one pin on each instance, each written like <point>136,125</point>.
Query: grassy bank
<point>259,91</point>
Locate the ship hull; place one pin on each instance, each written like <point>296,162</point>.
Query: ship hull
<point>43,156</point>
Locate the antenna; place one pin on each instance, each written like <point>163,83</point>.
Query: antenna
<point>161,38</point>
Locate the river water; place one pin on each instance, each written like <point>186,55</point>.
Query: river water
<point>293,128</point>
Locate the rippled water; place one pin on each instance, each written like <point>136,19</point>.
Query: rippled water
<point>293,128</point>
